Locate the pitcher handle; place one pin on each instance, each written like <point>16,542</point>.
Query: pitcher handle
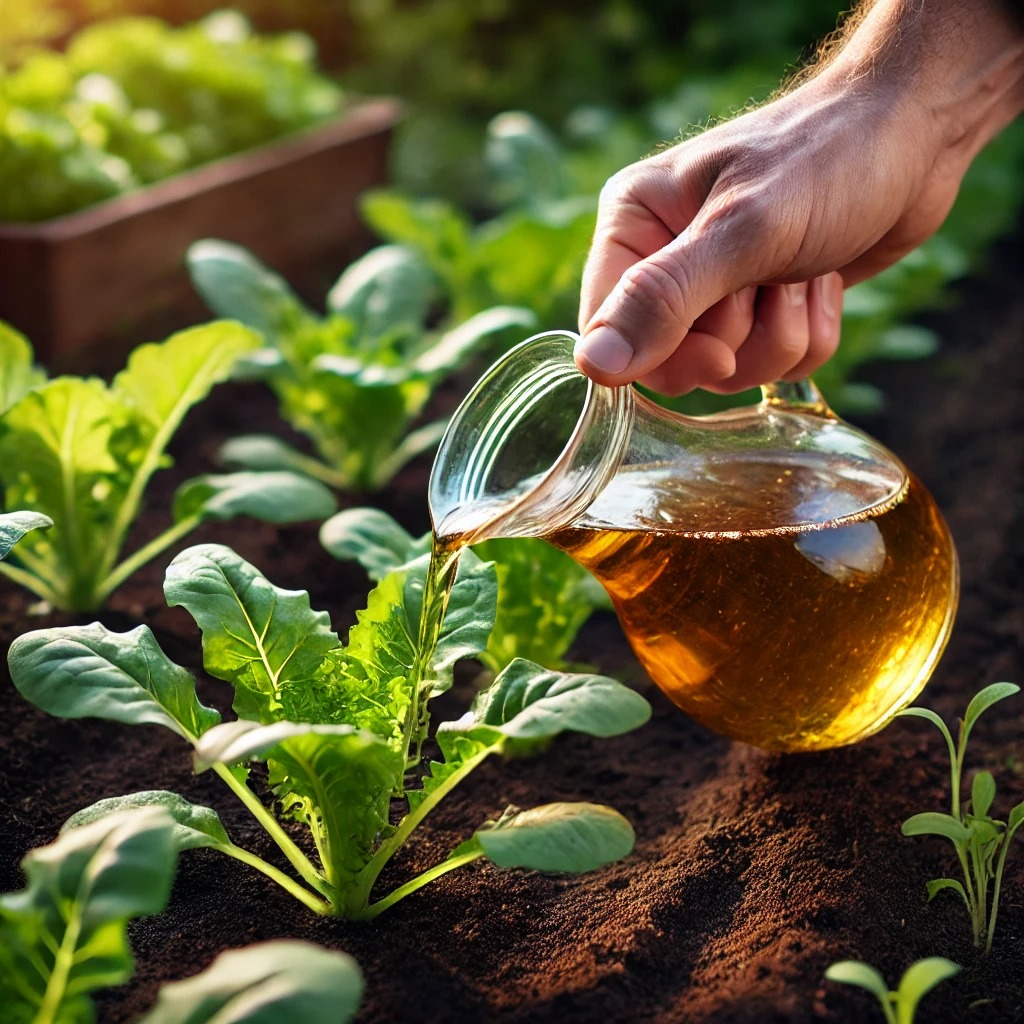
<point>801,394</point>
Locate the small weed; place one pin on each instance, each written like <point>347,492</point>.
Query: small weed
<point>900,1006</point>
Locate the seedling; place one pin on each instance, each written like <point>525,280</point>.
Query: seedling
<point>65,935</point>
<point>544,597</point>
<point>355,381</point>
<point>981,842</point>
<point>82,454</point>
<point>339,726</point>
<point>900,1006</point>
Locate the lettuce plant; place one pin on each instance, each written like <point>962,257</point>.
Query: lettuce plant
<point>65,935</point>
<point>899,1007</point>
<point>82,453</point>
<point>981,842</point>
<point>544,597</point>
<point>355,381</point>
<point>339,726</point>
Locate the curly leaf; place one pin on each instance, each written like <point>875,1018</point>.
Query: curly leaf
<point>91,672</point>
<point>571,837</point>
<point>937,885</point>
<point>544,597</point>
<point>65,933</point>
<point>256,636</point>
<point>195,826</point>
<point>265,983</point>
<point>337,778</point>
<point>274,497</point>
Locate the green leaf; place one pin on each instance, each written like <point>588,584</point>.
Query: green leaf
<point>570,837</point>
<point>1016,818</point>
<point>163,380</point>
<point>262,452</point>
<point>195,826</point>
<point>544,597</point>
<point>274,497</point>
<point>451,350</point>
<point>265,983</point>
<point>64,933</point>
<point>91,672</point>
<point>14,526</point>
<point>983,792</point>
<point>937,885</point>
<point>256,636</point>
<point>18,373</point>
<point>387,290</point>
<point>530,702</point>
<point>336,778</point>
<point>853,972</point>
<point>918,980</point>
<point>984,699</point>
<point>372,538</point>
<point>932,823</point>
<point>234,284</point>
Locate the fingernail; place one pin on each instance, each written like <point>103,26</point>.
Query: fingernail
<point>605,349</point>
<point>830,290</point>
<point>797,294</point>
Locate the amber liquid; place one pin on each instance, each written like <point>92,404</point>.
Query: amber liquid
<point>760,627</point>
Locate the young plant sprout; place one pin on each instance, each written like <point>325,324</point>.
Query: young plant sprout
<point>981,842</point>
<point>82,453</point>
<point>900,1006</point>
<point>65,935</point>
<point>340,727</point>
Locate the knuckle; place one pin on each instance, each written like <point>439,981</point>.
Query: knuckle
<point>658,290</point>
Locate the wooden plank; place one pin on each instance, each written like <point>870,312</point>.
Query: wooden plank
<point>80,284</point>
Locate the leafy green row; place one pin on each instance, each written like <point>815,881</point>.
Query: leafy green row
<point>64,936</point>
<point>340,727</point>
<point>82,453</point>
<point>134,100</point>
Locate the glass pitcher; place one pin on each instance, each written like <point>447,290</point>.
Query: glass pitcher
<point>780,575</point>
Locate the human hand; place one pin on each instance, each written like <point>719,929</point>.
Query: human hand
<point>720,263</point>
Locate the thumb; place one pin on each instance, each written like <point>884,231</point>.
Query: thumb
<point>647,315</point>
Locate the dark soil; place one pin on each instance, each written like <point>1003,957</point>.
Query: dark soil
<point>752,872</point>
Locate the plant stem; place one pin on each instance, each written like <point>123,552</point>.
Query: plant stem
<point>296,857</point>
<point>417,883</point>
<point>314,903</point>
<point>63,961</point>
<point>32,583</point>
<point>145,554</point>
<point>360,896</point>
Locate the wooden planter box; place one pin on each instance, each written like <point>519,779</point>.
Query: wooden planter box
<point>85,286</point>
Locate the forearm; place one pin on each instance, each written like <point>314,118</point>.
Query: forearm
<point>957,65</point>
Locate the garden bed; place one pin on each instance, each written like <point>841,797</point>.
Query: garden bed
<point>115,272</point>
<point>752,871</point>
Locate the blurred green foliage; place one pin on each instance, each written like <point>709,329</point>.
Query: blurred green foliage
<point>133,101</point>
